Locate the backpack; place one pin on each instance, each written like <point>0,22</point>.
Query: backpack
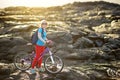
<point>34,38</point>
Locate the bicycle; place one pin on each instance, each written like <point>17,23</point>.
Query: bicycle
<point>52,64</point>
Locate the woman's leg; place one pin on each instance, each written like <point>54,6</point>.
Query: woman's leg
<point>40,60</point>
<point>35,60</point>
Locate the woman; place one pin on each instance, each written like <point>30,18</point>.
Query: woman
<point>39,47</point>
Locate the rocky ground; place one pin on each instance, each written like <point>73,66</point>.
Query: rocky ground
<point>87,38</point>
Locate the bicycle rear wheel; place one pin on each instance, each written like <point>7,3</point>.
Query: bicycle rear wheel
<point>55,67</point>
<point>22,61</point>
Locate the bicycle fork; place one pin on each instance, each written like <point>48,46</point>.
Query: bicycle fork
<point>51,57</point>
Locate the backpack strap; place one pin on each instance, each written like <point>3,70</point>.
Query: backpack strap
<point>42,32</point>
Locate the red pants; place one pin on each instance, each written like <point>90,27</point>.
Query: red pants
<point>38,50</point>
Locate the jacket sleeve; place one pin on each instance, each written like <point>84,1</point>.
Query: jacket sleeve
<point>40,35</point>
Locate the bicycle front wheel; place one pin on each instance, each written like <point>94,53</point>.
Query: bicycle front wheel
<point>55,67</point>
<point>22,61</point>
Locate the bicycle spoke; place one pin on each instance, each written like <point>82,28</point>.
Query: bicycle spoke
<point>22,61</point>
<point>54,67</point>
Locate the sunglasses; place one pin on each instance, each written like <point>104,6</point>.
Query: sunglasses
<point>44,23</point>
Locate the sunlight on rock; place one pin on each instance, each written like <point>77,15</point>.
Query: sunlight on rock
<point>86,37</point>
<point>7,35</point>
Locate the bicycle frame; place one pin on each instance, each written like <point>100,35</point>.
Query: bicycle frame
<point>23,61</point>
<point>47,50</point>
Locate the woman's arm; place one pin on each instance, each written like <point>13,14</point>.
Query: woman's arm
<point>40,37</point>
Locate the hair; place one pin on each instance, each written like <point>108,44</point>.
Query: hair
<point>43,21</point>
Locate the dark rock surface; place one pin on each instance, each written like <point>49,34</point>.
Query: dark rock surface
<point>86,36</point>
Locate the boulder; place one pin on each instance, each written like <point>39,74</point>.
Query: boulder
<point>9,42</point>
<point>60,37</point>
<point>68,74</point>
<point>22,28</point>
<point>17,49</point>
<point>106,49</point>
<point>107,36</point>
<point>80,56</point>
<point>98,39</point>
<point>116,13</point>
<point>6,44</point>
<point>77,34</point>
<point>115,27</point>
<point>95,36</point>
<point>103,28</point>
<point>2,13</point>
<point>97,75</point>
<point>62,53</point>
<point>83,43</point>
<point>6,69</point>
<point>3,54</point>
<point>98,43</point>
<point>18,41</point>
<point>112,44</point>
<point>101,13</point>
<point>84,54</point>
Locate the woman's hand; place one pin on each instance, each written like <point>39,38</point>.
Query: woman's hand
<point>49,41</point>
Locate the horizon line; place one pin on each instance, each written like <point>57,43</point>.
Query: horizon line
<point>55,5</point>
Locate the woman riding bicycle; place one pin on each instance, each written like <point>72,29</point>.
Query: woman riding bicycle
<point>40,45</point>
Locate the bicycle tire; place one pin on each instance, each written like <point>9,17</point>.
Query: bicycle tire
<point>19,63</point>
<point>49,70</point>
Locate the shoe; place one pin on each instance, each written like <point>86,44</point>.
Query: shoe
<point>32,71</point>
